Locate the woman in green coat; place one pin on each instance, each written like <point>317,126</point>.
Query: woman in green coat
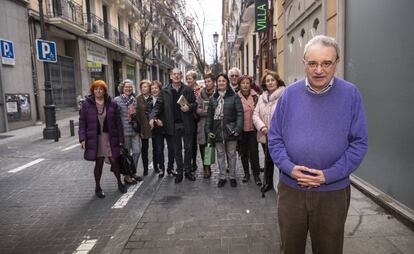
<point>224,125</point>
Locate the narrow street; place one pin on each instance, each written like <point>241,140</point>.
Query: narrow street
<point>50,207</point>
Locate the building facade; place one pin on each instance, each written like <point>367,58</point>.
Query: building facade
<point>95,39</point>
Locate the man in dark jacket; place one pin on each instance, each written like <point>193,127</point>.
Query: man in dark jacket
<point>178,121</point>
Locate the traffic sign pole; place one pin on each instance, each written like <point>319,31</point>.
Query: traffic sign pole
<point>51,131</point>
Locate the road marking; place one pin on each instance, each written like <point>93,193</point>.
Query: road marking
<point>26,165</point>
<point>70,147</point>
<point>123,200</point>
<point>85,246</point>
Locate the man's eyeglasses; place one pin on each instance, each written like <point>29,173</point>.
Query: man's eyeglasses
<point>234,75</point>
<point>324,64</point>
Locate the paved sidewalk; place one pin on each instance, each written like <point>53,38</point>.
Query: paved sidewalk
<point>198,217</point>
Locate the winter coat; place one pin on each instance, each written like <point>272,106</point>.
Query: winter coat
<point>232,113</point>
<point>89,124</point>
<point>164,109</point>
<point>142,109</point>
<point>123,106</point>
<point>264,111</point>
<point>248,109</point>
<point>202,99</point>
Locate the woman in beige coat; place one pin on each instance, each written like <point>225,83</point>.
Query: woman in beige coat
<point>273,88</point>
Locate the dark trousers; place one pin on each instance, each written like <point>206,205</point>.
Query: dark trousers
<point>202,147</point>
<point>268,167</point>
<point>194,148</point>
<point>158,151</point>
<point>144,153</point>
<point>323,214</point>
<point>180,136</point>
<point>171,151</point>
<point>249,151</point>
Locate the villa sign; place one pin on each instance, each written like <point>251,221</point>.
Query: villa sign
<point>261,7</point>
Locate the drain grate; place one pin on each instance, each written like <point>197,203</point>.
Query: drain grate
<point>5,136</point>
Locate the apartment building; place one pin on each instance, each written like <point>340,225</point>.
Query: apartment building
<point>95,39</point>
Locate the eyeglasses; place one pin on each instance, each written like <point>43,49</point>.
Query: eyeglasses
<point>324,64</point>
<point>234,75</point>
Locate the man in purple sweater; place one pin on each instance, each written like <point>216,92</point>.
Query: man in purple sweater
<point>317,138</point>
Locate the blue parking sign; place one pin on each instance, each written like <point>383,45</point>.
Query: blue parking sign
<point>46,51</point>
<point>7,52</point>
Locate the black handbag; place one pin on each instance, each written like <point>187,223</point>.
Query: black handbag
<point>126,162</point>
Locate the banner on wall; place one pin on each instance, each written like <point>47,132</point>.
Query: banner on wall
<point>260,9</point>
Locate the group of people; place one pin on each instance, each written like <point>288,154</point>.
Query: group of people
<point>314,131</point>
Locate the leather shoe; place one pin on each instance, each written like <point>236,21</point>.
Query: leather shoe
<point>266,188</point>
<point>190,176</point>
<point>246,178</point>
<point>178,178</point>
<point>221,183</point>
<point>257,180</point>
<point>99,193</point>
<point>137,178</point>
<point>233,183</point>
<point>122,188</point>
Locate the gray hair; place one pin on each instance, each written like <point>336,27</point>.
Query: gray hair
<point>122,84</point>
<point>234,69</point>
<point>322,40</point>
<point>191,73</point>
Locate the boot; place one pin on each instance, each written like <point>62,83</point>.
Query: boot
<point>246,178</point>
<point>209,171</point>
<point>205,171</point>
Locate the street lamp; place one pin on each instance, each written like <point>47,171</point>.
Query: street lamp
<point>215,38</point>
<point>51,131</point>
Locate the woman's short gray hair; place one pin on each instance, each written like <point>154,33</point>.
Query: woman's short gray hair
<point>192,74</point>
<point>234,69</point>
<point>122,84</point>
<point>322,40</point>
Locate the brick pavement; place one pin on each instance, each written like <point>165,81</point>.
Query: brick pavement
<point>198,217</point>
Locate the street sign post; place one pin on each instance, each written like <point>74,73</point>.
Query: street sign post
<point>46,51</point>
<point>7,52</point>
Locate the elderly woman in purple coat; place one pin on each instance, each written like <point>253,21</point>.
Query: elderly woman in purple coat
<point>101,133</point>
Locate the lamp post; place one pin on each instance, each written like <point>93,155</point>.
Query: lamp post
<point>215,38</point>
<point>51,131</point>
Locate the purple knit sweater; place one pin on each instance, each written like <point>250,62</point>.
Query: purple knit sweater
<point>321,131</point>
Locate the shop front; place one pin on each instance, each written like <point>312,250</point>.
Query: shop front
<point>97,57</point>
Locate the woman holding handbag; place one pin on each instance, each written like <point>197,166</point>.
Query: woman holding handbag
<point>273,88</point>
<point>224,125</point>
<point>132,141</point>
<point>101,133</point>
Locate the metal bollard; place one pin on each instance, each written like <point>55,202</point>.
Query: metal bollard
<point>72,128</point>
<point>57,133</point>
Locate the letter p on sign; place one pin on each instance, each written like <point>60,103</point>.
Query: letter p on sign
<point>46,51</point>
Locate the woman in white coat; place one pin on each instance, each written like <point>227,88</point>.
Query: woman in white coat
<point>273,88</point>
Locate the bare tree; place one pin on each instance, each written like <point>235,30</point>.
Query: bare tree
<point>188,22</point>
<point>152,21</point>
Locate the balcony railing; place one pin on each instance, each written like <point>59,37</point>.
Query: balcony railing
<point>66,9</point>
<point>105,30</point>
<point>96,25</point>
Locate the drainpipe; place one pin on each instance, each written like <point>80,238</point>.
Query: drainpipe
<point>2,102</point>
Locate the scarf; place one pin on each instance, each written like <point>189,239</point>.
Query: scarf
<point>130,102</point>
<point>218,113</point>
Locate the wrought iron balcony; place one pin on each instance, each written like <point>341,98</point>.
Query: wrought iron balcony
<point>96,25</point>
<point>66,9</point>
